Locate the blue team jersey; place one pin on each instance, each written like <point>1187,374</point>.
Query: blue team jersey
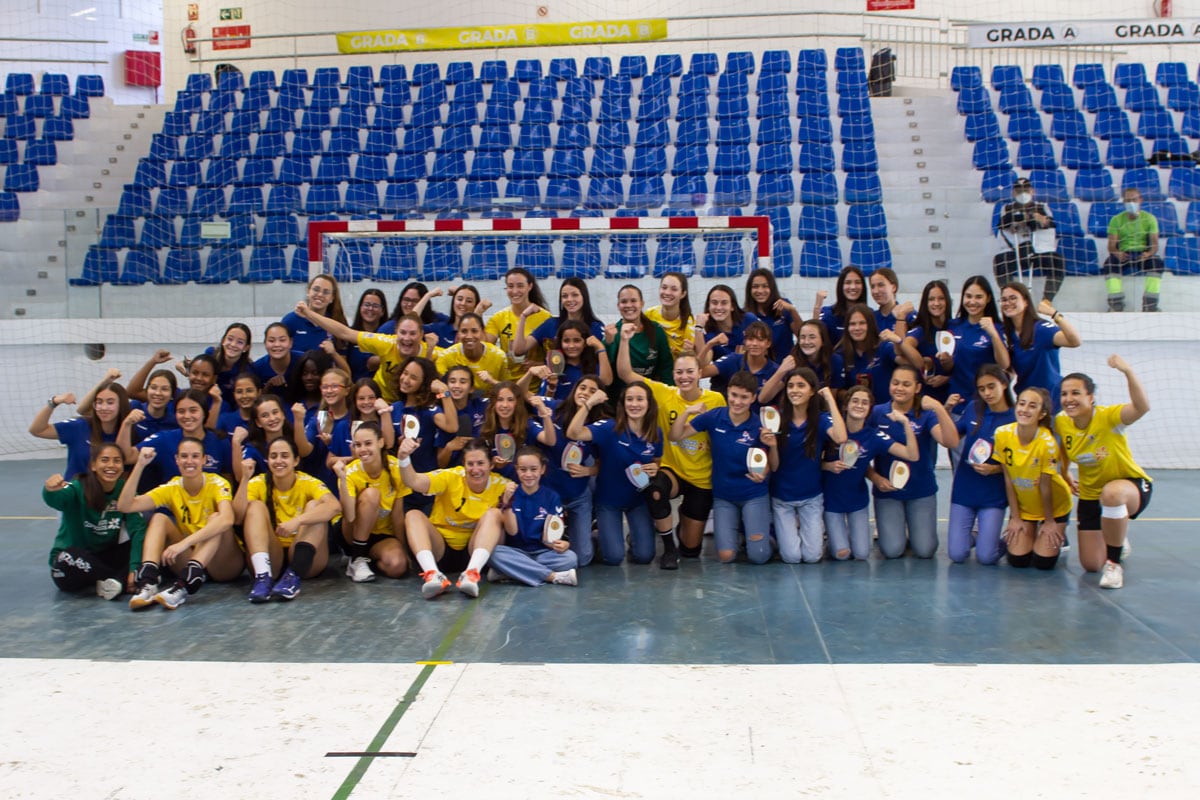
<point>921,482</point>
<point>152,425</point>
<point>549,329</point>
<point>306,335</point>
<point>291,376</point>
<point>227,377</point>
<point>972,349</point>
<point>971,489</point>
<point>316,463</point>
<point>846,491</point>
<point>729,444</point>
<point>424,458</point>
<point>565,385</point>
<point>76,434</point>
<point>735,337</point>
<point>1038,365</point>
<point>833,323</point>
<point>445,332</point>
<point>617,452</point>
<point>782,338</point>
<point>217,456</point>
<point>799,477</point>
<point>557,478</point>
<point>470,422</point>
<point>533,429</point>
<point>873,371</point>
<point>927,347</point>
<point>531,511</point>
<point>884,322</point>
<point>728,365</point>
<point>229,421</point>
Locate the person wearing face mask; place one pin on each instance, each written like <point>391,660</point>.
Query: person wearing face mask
<point>1133,250</point>
<point>1028,232</point>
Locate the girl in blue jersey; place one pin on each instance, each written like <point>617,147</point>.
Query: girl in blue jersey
<point>781,317</point>
<point>754,358</point>
<point>720,329</point>
<point>629,448</point>
<point>147,388</point>
<point>324,297</point>
<point>307,389</point>
<point>107,419</point>
<point>464,300</point>
<point>890,315</point>
<point>572,477</point>
<point>797,503</point>
<point>920,346</point>
<point>574,302</point>
<point>410,295</point>
<point>583,354</point>
<point>364,405</point>
<point>865,355</point>
<point>427,400</point>
<point>269,421</point>
<point>812,351</point>
<point>318,427</point>
<point>740,498</point>
<point>233,358</point>
<point>278,369</point>
<point>471,410</point>
<point>525,556</point>
<point>247,388</point>
<point>907,516</point>
<point>977,341</point>
<point>368,318</point>
<point>1033,344</point>
<point>851,290</point>
<point>508,414</point>
<point>190,412</point>
<point>977,496</point>
<point>847,518</point>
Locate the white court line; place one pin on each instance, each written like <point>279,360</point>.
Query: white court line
<point>542,730</point>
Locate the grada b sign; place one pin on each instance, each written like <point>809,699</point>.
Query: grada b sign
<point>1065,33</point>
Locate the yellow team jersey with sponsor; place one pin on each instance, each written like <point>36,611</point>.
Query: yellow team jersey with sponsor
<point>191,512</point>
<point>678,331</point>
<point>287,504</point>
<point>690,458</point>
<point>456,509</point>
<point>1026,464</point>
<point>1100,450</point>
<point>384,346</point>
<point>493,360</point>
<point>388,483</point>
<point>503,325</point>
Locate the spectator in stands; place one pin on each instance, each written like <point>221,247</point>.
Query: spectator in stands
<point>1028,231</point>
<point>1133,249</point>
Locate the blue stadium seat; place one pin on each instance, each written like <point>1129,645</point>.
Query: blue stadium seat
<point>1168,218</point>
<point>604,193</point>
<point>1184,183</point>
<point>400,197</point>
<point>459,72</point>
<point>254,100</point>
<point>693,132</point>
<point>171,202</point>
<point>117,232</point>
<point>343,141</point>
<point>1015,99</point>
<point>859,157</point>
<point>609,162</point>
<point>815,158</point>
<point>675,253</point>
<point>691,106</point>
<point>965,77</point>
<point>1045,75</point>
<point>417,141</point>
<point>267,264</point>
<point>774,190</point>
<point>781,220</point>
<point>362,197</point>
<point>494,138</point>
<point>1111,123</point>
<point>1049,185</point>
<point>1035,154</point>
<point>812,104</point>
<point>857,128</point>
<point>245,122</point>
<point>1182,255</point>
<point>997,184</point>
<point>1094,185</point>
<point>220,172</point>
<point>776,62</point>
<point>533,137</point>
<point>628,255</point>
<point>440,195</point>
<point>150,174</point>
<point>1088,75</point>
<point>58,129</point>
<point>223,265</point>
<point>354,261</point>
<point>189,102</point>
<point>723,257</point>
<point>1068,125</point>
<point>1125,153</point>
<point>527,69</point>
<point>197,147</point>
<point>426,114</point>
<point>99,266</point>
<point>394,97</point>
<point>1066,219</point>
<point>597,68</point>
<point>1192,220</point>
<point>1129,75</point>
<point>324,198</point>
<point>866,221</point>
<point>853,104</point>
<point>1183,98</point>
<point>1099,97</point>
<point>493,71</point>
<point>733,131</point>
<point>198,82</point>
<point>279,120</point>
<point>982,125</point>
<point>9,106</point>
<point>871,254</point>
<point>811,60</point>
<point>739,63</point>
<point>863,187</point>
<point>819,188</point>
<point>772,158</point>
<point>279,230</point>
<point>488,165</point>
<point>573,136</point>
<point>182,266</point>
<point>732,190</point>
<point>1142,98</point>
<point>1025,125</point>
<point>528,164</point>
<point>847,59</point>
<point>820,259</point>
<point>773,131</point>
<point>39,106</point>
<point>256,171</point>
<point>135,201</point>
<point>1005,76</point>
<point>990,154</point>
<point>632,66</point>
<point>562,69</point>
<point>704,64</point>
<point>973,100</point>
<point>89,86</point>
<point>773,105</point>
<point>563,193</point>
<point>815,129</point>
<point>322,77</point>
<point>40,152</point>
<point>140,265</point>
<point>730,108</point>
<point>397,260</point>
<point>222,100</point>
<point>647,192</point>
<point>1156,124</point>
<point>448,165</point>
<point>443,260</point>
<point>1081,154</point>
<point>689,191</point>
<point>424,74</point>
<point>652,160</point>
<point>500,111</point>
<point>209,123</point>
<point>523,193</point>
<point>817,223</point>
<point>1099,215</point>
<point>1079,255</point>
<point>245,200</point>
<point>612,134</point>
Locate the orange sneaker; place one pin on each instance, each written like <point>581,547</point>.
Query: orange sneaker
<point>435,583</point>
<point>468,583</point>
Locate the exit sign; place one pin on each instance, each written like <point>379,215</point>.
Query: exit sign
<point>231,13</point>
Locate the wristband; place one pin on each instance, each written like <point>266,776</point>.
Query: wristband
<point>405,462</point>
<point>50,404</point>
<point>446,394</point>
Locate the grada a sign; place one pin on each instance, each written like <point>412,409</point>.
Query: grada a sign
<point>1065,33</point>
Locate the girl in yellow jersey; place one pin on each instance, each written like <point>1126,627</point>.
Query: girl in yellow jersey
<point>192,534</point>
<point>1112,488</point>
<point>522,289</point>
<point>283,510</point>
<point>370,488</point>
<point>465,523</point>
<point>686,464</point>
<point>674,312</point>
<point>1039,500</point>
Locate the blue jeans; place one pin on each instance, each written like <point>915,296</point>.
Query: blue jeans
<point>612,533</point>
<point>799,529</point>
<point>754,516</point>
<point>849,531</point>
<point>578,510</point>
<point>907,522</point>
<point>988,546</point>
<point>531,569</point>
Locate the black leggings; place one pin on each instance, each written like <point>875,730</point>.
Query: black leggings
<point>76,569</point>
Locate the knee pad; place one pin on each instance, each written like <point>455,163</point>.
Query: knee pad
<point>690,552</point>
<point>696,504</point>
<point>1044,562</point>
<point>194,576</point>
<point>1114,512</point>
<point>148,573</point>
<point>658,497</point>
<point>1020,562</point>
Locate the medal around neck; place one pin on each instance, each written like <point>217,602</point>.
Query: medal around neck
<point>572,454</point>
<point>899,474</point>
<point>552,529</point>
<point>756,461</point>
<point>945,343</point>
<point>768,417</point>
<point>556,361</point>
<point>981,451</point>
<point>506,446</point>
<point>849,452</point>
<point>412,427</point>
<point>637,476</point>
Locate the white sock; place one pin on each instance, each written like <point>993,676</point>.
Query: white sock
<point>479,558</point>
<point>427,561</point>
<point>261,562</point>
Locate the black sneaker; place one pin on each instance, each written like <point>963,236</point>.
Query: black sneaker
<point>669,559</point>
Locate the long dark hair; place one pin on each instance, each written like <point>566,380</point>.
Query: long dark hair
<point>766,310</point>
<point>269,479</point>
<point>652,434</point>
<point>924,320</point>
<point>841,305</point>
<point>685,298</point>
<point>520,418</point>
<point>1046,420</point>
<point>1028,319</point>
<point>647,326</point>
<point>323,362</point>
<point>535,292</point>
<point>589,362</point>
<point>243,361</point>
<point>426,314</point>
<point>823,365</point>
<point>462,287</point>
<point>585,312</point>
<point>567,407</point>
<point>256,436</point>
<point>205,401</point>
<point>736,314</point>
<point>423,396</point>
<point>997,372</point>
<point>352,400</point>
<point>375,428</point>
<point>95,426</point>
<point>335,311</point>
<point>812,412</point>
<point>94,495</point>
<point>358,320</point>
<point>846,345</point>
<point>989,309</point>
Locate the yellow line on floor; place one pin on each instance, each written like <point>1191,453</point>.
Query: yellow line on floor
<point>15,519</point>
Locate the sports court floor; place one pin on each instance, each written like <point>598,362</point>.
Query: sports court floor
<point>859,680</point>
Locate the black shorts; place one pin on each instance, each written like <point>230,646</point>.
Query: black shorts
<point>375,538</point>
<point>1087,512</point>
<point>454,560</point>
<point>418,502</point>
<point>696,503</point>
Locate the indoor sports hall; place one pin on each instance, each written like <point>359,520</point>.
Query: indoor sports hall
<point>169,168</point>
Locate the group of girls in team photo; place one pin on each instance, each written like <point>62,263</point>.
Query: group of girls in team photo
<point>525,444</point>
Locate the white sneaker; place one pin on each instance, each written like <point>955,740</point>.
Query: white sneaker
<point>171,598</point>
<point>109,588</point>
<point>144,597</point>
<point>468,583</point>
<point>494,576</point>
<point>434,584</point>
<point>1113,576</point>
<point>359,570</point>
<point>568,578</point>
<point>1126,549</point>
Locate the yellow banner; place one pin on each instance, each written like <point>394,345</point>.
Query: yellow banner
<point>491,36</point>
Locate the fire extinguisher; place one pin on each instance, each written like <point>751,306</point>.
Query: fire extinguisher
<point>1163,8</point>
<point>188,38</point>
